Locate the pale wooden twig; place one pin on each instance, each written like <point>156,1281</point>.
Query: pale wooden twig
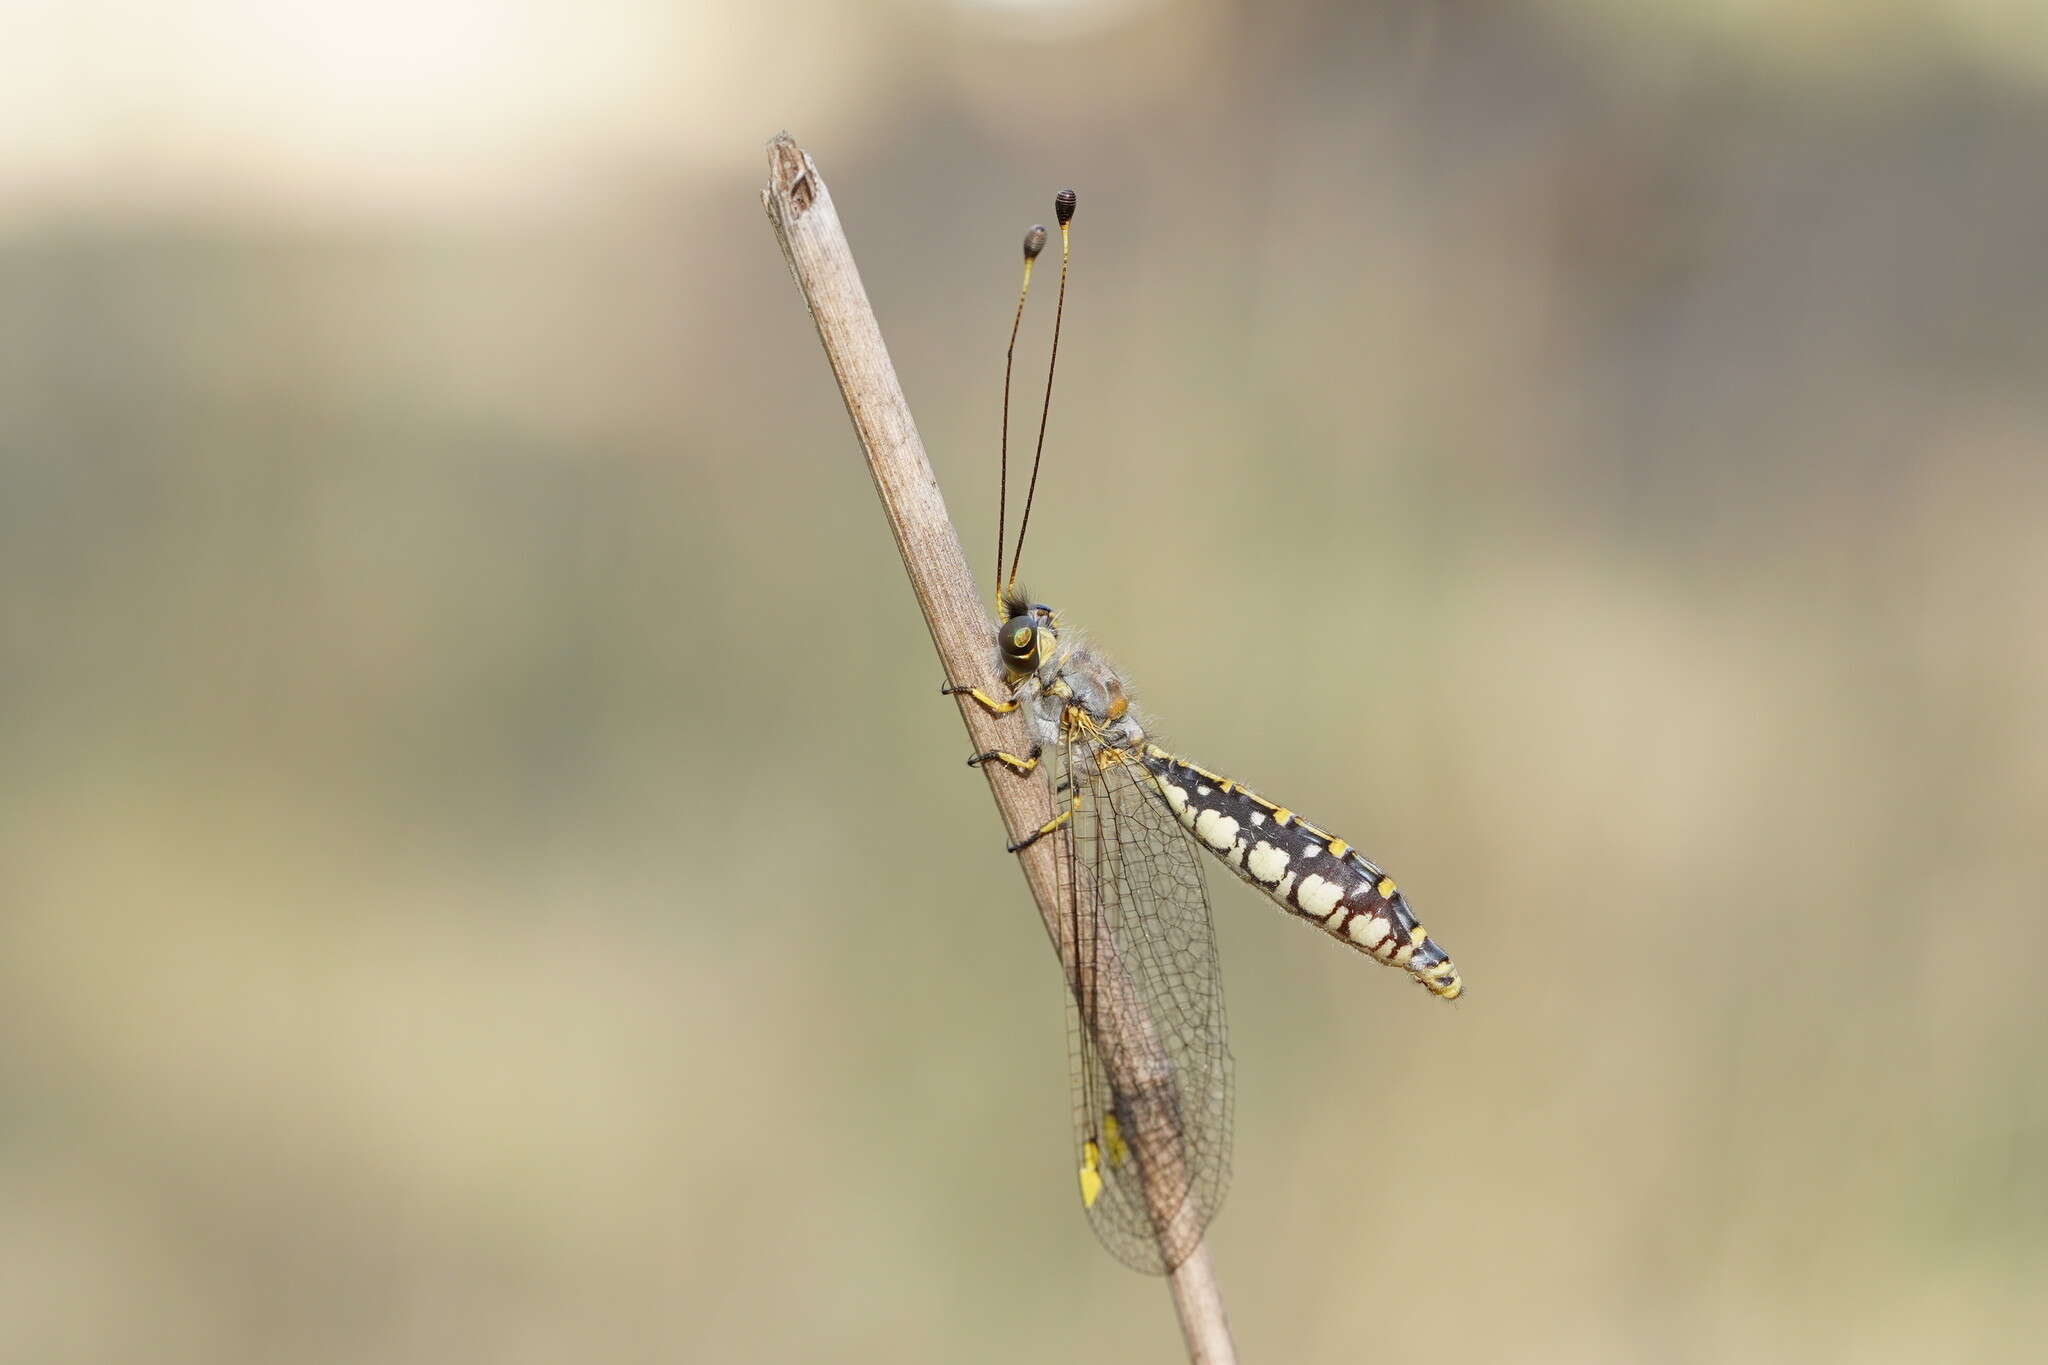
<point>805,223</point>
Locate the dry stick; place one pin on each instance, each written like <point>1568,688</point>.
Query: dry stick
<point>807,226</point>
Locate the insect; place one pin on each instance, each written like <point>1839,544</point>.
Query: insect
<point>1148,1037</point>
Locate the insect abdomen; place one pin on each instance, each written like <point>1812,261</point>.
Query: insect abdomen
<point>1311,874</point>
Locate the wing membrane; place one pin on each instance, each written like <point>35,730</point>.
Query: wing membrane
<point>1133,891</point>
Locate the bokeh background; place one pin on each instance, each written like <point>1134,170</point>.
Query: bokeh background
<point>486,875</point>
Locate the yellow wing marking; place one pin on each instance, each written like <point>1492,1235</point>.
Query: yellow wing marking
<point>1091,1174</point>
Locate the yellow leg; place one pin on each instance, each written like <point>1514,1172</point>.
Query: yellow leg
<point>997,708</point>
<point>1023,766</point>
<point>1048,827</point>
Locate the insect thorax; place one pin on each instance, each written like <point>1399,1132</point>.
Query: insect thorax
<point>1078,696</point>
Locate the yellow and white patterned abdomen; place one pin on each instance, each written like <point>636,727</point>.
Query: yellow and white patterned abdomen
<point>1311,874</point>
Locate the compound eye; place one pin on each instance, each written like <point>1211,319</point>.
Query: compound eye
<point>1019,641</point>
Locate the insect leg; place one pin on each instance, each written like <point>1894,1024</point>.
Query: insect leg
<point>995,708</point>
<point>1022,766</point>
<point>1048,827</point>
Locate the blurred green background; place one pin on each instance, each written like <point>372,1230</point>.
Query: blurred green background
<point>486,874</point>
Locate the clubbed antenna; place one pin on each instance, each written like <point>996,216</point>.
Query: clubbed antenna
<point>1034,242</point>
<point>1063,206</point>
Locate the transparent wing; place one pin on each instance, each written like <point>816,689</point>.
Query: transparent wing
<point>1159,1087</point>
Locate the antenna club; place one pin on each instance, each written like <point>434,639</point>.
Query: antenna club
<point>1063,205</point>
<point>1034,242</point>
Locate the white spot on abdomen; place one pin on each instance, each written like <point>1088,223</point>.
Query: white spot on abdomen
<point>1267,862</point>
<point>1177,798</point>
<point>1216,830</point>
<point>1369,931</point>
<point>1317,896</point>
